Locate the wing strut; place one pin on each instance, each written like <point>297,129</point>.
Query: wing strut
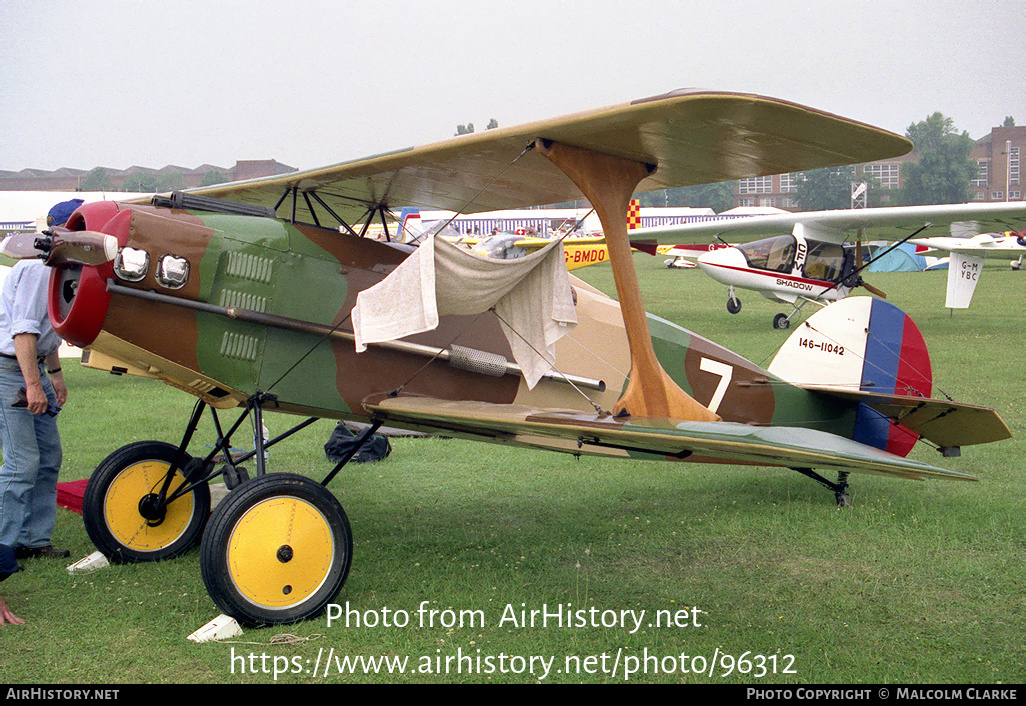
<point>609,183</point>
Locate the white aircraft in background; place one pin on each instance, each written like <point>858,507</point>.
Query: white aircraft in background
<point>816,256</point>
<point>966,256</point>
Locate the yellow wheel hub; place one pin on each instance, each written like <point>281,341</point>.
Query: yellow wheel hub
<point>280,552</point>
<point>122,514</point>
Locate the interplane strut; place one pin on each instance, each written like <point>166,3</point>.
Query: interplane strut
<point>609,183</point>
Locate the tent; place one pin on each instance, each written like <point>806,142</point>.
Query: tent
<point>903,258</point>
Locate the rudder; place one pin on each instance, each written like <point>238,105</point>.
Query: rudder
<point>861,343</point>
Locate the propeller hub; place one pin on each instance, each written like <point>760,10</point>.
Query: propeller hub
<point>81,262</point>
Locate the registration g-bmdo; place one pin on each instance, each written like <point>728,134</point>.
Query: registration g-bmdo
<point>244,296</point>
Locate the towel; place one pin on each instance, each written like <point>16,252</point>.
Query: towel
<point>530,294</point>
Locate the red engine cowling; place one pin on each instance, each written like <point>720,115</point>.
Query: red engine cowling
<point>78,298</point>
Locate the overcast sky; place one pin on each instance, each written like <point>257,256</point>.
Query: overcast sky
<point>120,83</point>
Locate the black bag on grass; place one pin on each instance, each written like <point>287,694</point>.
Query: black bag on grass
<point>342,440</point>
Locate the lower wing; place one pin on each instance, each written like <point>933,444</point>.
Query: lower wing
<point>713,442</point>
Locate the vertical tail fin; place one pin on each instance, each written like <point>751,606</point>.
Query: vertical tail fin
<point>409,221</point>
<point>861,343</point>
<point>963,273</point>
<point>634,215</point>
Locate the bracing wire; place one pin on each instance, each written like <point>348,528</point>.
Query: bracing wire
<point>309,351</point>
<point>460,211</point>
<point>570,382</point>
<point>334,328</point>
<point>434,357</point>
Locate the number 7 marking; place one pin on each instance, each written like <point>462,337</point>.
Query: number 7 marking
<point>726,372</point>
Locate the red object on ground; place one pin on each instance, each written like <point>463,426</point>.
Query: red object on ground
<point>69,495</point>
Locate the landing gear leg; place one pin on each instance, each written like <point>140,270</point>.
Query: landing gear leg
<point>279,547</point>
<point>733,303</point>
<point>276,550</point>
<point>783,321</point>
<point>840,488</point>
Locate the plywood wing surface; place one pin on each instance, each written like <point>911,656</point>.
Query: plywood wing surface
<point>691,137</point>
<point>730,442</point>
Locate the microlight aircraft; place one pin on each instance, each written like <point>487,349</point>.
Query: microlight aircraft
<point>816,256</point>
<point>262,296</point>
<point>966,256</point>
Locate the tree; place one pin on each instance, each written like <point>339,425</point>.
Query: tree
<point>469,127</point>
<point>212,177</point>
<point>1009,121</point>
<point>96,180</point>
<point>170,181</point>
<point>825,189</point>
<point>944,169</point>
<point>831,188</point>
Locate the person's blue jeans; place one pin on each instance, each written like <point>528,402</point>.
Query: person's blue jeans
<point>31,461</point>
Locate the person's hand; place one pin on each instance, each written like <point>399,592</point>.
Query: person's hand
<point>59,389</point>
<point>37,402</point>
<point>7,617</point>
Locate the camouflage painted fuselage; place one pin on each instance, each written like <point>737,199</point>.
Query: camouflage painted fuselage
<point>266,307</point>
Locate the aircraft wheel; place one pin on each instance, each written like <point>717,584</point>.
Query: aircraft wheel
<point>843,500</point>
<point>733,305</point>
<point>121,515</point>
<point>781,321</point>
<point>277,550</point>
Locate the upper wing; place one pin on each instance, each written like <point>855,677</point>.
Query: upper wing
<point>891,223</point>
<point>726,442</point>
<point>691,137</point>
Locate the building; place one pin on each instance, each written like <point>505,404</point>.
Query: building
<point>997,155</point>
<point>998,179</point>
<point>67,179</point>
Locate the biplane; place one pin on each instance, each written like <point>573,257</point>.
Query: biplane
<point>261,296</point>
<point>817,256</point>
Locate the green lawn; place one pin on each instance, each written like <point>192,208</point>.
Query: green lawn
<point>766,579</point>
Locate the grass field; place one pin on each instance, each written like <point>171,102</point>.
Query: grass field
<point>769,582</point>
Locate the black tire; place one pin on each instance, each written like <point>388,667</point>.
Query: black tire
<point>733,305</point>
<point>780,321</point>
<point>277,550</point>
<point>115,507</point>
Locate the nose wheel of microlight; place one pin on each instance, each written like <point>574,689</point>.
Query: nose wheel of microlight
<point>733,303</point>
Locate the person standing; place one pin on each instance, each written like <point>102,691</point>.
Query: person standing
<point>8,565</point>
<point>32,391</point>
